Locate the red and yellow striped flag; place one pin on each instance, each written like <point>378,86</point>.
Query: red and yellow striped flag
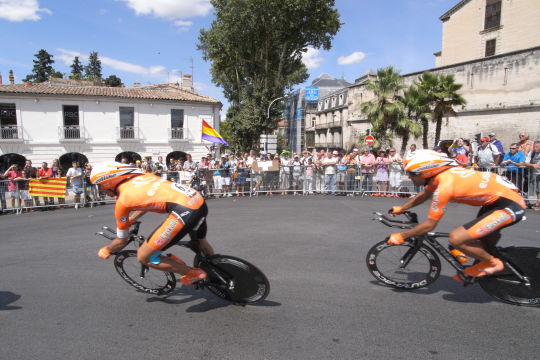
<point>51,187</point>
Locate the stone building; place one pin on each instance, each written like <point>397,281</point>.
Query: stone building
<point>44,121</point>
<point>501,86</point>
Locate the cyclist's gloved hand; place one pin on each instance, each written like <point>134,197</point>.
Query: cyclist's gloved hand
<point>396,210</point>
<point>104,253</point>
<point>395,239</point>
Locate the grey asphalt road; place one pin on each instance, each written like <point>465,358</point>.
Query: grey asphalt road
<point>58,300</point>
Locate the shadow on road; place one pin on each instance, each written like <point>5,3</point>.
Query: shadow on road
<point>6,298</point>
<point>453,291</point>
<point>185,295</point>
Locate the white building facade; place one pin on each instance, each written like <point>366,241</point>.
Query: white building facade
<point>43,121</point>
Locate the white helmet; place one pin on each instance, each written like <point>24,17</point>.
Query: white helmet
<point>108,175</point>
<point>428,163</point>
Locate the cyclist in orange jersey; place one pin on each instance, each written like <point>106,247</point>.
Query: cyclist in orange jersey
<point>138,193</point>
<point>501,206</point>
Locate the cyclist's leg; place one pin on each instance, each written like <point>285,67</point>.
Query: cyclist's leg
<point>149,251</point>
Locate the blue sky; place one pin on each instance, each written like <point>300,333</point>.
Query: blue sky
<point>153,41</point>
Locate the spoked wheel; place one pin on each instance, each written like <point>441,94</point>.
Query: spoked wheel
<point>506,286</point>
<point>233,279</point>
<point>403,266</point>
<point>142,277</point>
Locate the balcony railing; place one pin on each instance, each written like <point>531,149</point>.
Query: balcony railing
<point>328,125</point>
<point>10,133</point>
<point>128,133</point>
<point>178,134</point>
<point>71,133</point>
<point>329,144</point>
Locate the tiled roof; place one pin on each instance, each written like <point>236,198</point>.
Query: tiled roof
<point>170,93</point>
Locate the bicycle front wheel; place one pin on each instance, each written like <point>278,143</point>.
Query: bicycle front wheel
<point>506,286</point>
<point>234,279</point>
<point>401,267</point>
<point>142,277</point>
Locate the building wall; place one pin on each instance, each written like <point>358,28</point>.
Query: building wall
<point>99,121</point>
<point>464,37</point>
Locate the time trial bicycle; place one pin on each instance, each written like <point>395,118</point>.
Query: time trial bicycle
<point>228,277</point>
<point>415,264</point>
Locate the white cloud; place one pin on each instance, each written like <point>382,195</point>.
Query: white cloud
<point>67,57</point>
<point>353,58</point>
<point>183,25</point>
<point>311,58</point>
<point>21,10</point>
<point>170,9</point>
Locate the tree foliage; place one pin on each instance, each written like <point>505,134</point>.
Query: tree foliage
<point>385,111</point>
<point>113,81</point>
<point>256,50</point>
<point>42,70</point>
<point>77,69</point>
<point>442,95</point>
<point>93,69</point>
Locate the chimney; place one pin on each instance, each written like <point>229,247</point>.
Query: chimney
<point>0,78</point>
<point>11,77</point>
<point>187,82</point>
<point>136,84</point>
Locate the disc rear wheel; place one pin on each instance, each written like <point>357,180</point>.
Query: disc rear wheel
<point>234,279</point>
<point>506,286</point>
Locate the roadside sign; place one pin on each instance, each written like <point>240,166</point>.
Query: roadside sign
<point>369,140</point>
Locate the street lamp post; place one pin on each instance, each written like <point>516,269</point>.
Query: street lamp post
<point>272,103</point>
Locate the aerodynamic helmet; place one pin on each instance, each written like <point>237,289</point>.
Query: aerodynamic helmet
<point>108,175</point>
<point>428,163</point>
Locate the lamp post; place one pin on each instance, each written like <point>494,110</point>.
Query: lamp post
<point>272,103</point>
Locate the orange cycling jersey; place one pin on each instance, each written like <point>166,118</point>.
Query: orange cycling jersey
<point>469,187</point>
<point>149,192</point>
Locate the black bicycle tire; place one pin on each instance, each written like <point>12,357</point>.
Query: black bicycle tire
<point>258,282</point>
<point>431,275</point>
<point>506,287</point>
<point>169,277</point>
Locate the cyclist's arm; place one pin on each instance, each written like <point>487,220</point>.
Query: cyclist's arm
<point>136,215</point>
<point>418,199</point>
<point>421,228</point>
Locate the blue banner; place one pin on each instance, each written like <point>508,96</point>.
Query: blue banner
<point>299,113</point>
<point>312,93</point>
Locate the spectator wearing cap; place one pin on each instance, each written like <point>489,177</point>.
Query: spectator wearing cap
<point>524,144</point>
<point>493,140</point>
<point>486,156</point>
<point>367,161</point>
<point>329,164</point>
<point>351,162</point>
<point>511,160</point>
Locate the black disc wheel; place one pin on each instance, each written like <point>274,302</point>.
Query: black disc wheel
<point>506,286</point>
<point>403,266</point>
<point>234,279</point>
<point>142,277</point>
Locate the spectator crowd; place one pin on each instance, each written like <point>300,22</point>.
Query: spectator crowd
<point>366,172</point>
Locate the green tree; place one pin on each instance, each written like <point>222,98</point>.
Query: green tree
<point>43,69</point>
<point>415,117</point>
<point>113,81</point>
<point>256,50</point>
<point>386,109</point>
<point>77,69</point>
<point>442,93</point>
<point>93,69</point>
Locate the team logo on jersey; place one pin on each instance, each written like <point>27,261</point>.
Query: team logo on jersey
<point>123,219</point>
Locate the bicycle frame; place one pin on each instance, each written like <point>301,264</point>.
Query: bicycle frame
<point>430,240</point>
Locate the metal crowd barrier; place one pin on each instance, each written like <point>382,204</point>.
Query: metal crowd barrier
<point>345,180</point>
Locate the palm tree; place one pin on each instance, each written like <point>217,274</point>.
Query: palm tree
<point>384,111</point>
<point>416,107</point>
<point>441,91</point>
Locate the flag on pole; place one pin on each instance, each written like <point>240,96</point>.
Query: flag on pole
<point>210,134</point>
<point>51,187</point>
